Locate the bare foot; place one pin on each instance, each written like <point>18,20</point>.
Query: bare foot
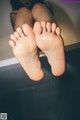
<point>48,38</point>
<point>25,49</point>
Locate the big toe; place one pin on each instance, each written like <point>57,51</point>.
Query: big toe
<point>37,28</point>
<point>27,29</point>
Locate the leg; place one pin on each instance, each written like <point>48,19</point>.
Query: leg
<point>41,13</point>
<point>25,50</point>
<point>48,38</point>
<point>24,16</point>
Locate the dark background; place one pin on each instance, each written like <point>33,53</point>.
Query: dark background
<point>52,98</point>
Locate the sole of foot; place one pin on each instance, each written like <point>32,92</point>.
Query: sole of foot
<point>25,50</point>
<point>49,40</point>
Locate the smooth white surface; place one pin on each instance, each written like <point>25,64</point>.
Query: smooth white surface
<point>8,62</point>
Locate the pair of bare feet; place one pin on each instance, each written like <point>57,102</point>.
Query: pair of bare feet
<point>25,42</point>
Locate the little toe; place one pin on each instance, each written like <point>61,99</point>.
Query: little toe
<point>19,30</point>
<point>27,30</point>
<point>43,24</point>
<point>16,34</point>
<point>37,28</point>
<point>53,27</point>
<point>58,31</point>
<point>49,27</point>
<point>13,37</point>
<point>11,43</point>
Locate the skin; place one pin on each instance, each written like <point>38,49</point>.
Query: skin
<point>30,35</point>
<point>25,50</point>
<point>49,40</point>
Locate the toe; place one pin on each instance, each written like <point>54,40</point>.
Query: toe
<point>16,34</point>
<point>12,43</point>
<point>53,27</point>
<point>13,37</point>
<point>48,26</point>
<point>37,28</point>
<point>27,30</point>
<point>20,32</point>
<point>43,24</point>
<point>58,31</point>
